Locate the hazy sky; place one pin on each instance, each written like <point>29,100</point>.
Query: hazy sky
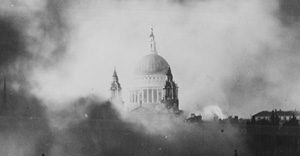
<point>235,56</point>
<point>229,57</point>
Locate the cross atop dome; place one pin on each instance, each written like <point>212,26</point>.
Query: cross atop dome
<point>152,43</point>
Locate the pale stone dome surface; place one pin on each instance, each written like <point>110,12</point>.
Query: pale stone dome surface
<point>152,64</point>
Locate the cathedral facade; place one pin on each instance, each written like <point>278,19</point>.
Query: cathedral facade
<point>152,87</point>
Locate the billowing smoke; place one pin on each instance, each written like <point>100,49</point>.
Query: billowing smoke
<point>211,112</point>
<point>222,56</point>
<point>229,57</point>
<point>32,36</point>
<point>104,132</point>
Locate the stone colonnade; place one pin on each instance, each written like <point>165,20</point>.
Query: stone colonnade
<point>153,95</point>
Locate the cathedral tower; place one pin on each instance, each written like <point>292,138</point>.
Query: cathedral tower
<point>170,98</point>
<point>116,88</point>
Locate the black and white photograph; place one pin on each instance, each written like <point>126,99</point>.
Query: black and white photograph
<point>150,78</point>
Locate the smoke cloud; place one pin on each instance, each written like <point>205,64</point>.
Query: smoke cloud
<point>236,55</point>
<point>228,57</point>
<point>104,132</point>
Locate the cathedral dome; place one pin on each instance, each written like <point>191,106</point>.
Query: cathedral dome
<point>152,64</point>
<point>152,85</point>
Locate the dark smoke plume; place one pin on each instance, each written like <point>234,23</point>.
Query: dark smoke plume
<point>103,132</point>
<point>37,35</point>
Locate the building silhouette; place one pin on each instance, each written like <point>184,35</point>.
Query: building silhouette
<point>275,117</point>
<point>194,118</point>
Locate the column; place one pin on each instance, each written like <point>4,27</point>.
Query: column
<point>146,92</point>
<point>158,98</point>
<point>152,95</point>
<point>132,97</point>
<point>138,98</point>
<point>143,96</point>
<point>148,97</point>
<point>155,95</point>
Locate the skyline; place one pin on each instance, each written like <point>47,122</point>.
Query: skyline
<point>220,55</point>
<point>233,58</point>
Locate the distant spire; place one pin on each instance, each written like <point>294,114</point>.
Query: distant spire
<point>115,76</point>
<point>115,87</point>
<point>152,43</point>
<point>169,74</point>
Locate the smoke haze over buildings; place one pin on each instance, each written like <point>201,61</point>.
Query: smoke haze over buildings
<point>238,55</point>
<point>232,57</point>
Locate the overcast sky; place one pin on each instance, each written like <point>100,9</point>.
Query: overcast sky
<point>234,56</point>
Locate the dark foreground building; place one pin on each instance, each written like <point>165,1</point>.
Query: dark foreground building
<point>274,133</point>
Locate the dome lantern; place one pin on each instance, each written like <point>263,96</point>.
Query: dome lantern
<point>152,64</point>
<point>152,43</point>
